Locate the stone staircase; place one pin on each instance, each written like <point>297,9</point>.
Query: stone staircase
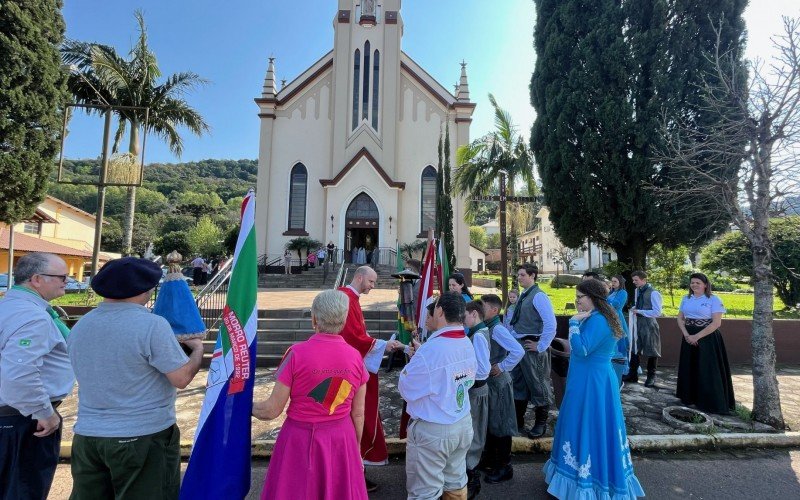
<point>279,329</point>
<point>316,278</point>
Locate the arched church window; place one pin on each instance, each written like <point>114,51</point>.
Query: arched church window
<point>428,199</point>
<point>356,76</point>
<point>362,207</point>
<point>298,187</point>
<point>375,68</point>
<point>365,93</point>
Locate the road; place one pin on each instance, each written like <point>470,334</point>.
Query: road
<point>745,474</point>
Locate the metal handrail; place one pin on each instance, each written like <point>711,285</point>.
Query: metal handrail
<point>340,276</point>
<point>211,299</point>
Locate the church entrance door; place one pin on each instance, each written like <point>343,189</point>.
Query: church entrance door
<point>361,230</point>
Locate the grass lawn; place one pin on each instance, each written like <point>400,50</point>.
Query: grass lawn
<point>738,305</point>
<point>77,299</point>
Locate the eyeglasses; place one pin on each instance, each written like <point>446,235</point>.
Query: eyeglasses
<point>62,277</point>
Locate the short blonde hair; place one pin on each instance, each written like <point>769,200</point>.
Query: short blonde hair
<point>329,309</point>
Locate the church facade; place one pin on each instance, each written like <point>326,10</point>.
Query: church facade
<point>348,149</point>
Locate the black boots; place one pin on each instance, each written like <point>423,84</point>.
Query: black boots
<point>633,371</point>
<point>652,363</point>
<point>503,473</point>
<point>540,424</point>
<point>473,483</point>
<point>521,406</point>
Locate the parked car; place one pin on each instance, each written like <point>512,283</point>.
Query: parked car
<point>4,281</point>
<point>74,285</point>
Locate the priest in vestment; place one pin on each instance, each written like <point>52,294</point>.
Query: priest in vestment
<point>373,441</point>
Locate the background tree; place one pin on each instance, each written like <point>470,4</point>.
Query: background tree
<point>567,255</point>
<point>205,238</point>
<point>493,240</point>
<point>667,265</point>
<point>444,205</point>
<point>731,253</point>
<point>133,82</point>
<point>174,240</point>
<point>199,204</point>
<point>33,90</point>
<point>762,112</point>
<point>414,250</point>
<point>481,162</point>
<point>477,236</point>
<point>605,73</point>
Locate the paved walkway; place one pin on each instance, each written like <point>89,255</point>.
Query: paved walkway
<point>642,406</point>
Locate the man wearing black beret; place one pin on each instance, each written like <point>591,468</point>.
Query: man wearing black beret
<point>128,364</point>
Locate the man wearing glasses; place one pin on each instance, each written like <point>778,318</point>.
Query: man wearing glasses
<point>35,375</point>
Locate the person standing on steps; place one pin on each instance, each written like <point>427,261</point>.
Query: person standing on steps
<point>534,324</point>
<point>647,307</point>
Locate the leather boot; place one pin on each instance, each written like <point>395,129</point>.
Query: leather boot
<point>633,371</point>
<point>521,406</point>
<point>540,424</point>
<point>651,372</point>
<point>473,483</point>
<point>503,473</point>
<point>455,494</point>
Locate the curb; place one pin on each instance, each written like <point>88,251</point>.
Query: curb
<point>262,448</point>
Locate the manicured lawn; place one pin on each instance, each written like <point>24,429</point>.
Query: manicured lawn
<point>77,299</point>
<point>738,305</point>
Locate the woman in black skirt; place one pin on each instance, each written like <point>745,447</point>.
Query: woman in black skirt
<point>704,377</point>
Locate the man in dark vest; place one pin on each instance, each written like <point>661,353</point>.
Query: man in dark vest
<point>647,307</point>
<point>534,326</point>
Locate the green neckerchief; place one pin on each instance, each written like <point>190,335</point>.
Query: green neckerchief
<point>518,310</point>
<point>492,322</point>
<point>62,328</point>
<point>474,329</point>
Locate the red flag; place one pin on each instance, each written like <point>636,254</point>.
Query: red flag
<point>426,288</point>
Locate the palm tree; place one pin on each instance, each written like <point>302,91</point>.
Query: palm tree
<point>480,164</point>
<point>108,78</point>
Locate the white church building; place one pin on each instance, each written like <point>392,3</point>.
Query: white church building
<point>348,149</point>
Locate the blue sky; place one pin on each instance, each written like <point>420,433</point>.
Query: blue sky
<point>228,43</point>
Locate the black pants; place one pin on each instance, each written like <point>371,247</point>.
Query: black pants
<point>27,463</point>
<point>497,451</point>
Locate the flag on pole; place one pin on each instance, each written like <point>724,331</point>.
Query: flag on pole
<point>425,289</point>
<point>444,266</point>
<point>219,466</point>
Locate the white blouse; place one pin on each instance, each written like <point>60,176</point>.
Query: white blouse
<point>701,307</point>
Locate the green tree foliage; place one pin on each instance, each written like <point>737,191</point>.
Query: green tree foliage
<point>731,253</point>
<point>447,203</point>
<point>133,82</point>
<point>174,240</point>
<point>414,250</point>
<point>606,73</point>
<point>493,240</point>
<point>198,204</point>
<point>477,236</point>
<point>667,265</point>
<point>32,92</point>
<point>205,238</point>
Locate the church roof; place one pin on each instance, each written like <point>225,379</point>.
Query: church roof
<point>363,153</point>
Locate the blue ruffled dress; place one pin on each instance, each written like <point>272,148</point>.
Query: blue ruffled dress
<point>591,458</point>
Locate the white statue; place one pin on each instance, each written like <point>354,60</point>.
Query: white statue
<point>368,8</point>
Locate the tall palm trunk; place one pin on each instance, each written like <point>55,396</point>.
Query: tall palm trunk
<point>513,237</point>
<point>130,206</point>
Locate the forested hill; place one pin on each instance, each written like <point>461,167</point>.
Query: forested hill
<point>227,178</point>
<point>172,201</point>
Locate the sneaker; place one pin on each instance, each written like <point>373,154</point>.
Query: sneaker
<point>504,473</point>
<point>371,486</point>
<point>650,381</point>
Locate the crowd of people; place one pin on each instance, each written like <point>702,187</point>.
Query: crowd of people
<point>466,388</point>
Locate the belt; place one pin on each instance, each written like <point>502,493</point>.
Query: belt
<point>10,411</point>
<point>478,383</point>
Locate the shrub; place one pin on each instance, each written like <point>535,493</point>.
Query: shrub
<point>563,280</point>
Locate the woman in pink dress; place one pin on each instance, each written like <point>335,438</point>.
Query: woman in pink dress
<point>317,454</point>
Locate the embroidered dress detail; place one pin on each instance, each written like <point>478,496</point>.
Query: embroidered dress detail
<point>584,471</point>
<point>702,323</point>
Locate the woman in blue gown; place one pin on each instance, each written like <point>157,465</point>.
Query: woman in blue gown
<point>457,283</point>
<point>618,297</point>
<point>591,458</point>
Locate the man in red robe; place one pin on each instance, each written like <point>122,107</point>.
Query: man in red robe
<point>373,441</point>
